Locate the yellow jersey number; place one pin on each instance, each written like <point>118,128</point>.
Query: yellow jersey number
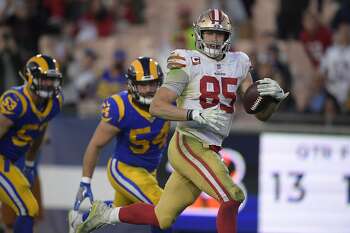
<point>140,146</point>
<point>22,138</point>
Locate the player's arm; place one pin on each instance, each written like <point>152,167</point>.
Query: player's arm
<point>34,148</point>
<point>265,113</point>
<point>267,87</point>
<point>103,134</point>
<point>244,85</point>
<point>5,124</point>
<point>29,169</point>
<point>108,128</point>
<point>162,106</point>
<point>176,80</point>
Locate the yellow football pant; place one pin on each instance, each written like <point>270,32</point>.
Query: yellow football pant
<point>196,169</point>
<point>8,216</point>
<point>132,184</point>
<point>15,190</point>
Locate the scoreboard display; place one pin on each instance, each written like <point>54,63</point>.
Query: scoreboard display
<point>304,183</point>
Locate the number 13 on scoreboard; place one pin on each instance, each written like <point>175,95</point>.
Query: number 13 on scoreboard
<point>304,183</point>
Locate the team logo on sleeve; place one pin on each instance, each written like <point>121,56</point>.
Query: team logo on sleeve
<point>106,111</point>
<point>8,105</point>
<point>196,60</point>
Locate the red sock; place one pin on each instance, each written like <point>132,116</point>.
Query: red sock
<point>226,221</point>
<point>139,213</point>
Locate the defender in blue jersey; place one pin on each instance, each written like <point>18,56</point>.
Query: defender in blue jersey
<point>140,142</point>
<point>24,115</point>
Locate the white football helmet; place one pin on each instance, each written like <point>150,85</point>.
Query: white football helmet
<point>213,20</point>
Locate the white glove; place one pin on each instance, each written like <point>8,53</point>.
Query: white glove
<point>269,87</point>
<point>212,117</point>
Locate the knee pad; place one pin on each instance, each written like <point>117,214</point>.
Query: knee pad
<point>238,195</point>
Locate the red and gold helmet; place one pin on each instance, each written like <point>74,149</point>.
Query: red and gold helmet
<point>213,20</point>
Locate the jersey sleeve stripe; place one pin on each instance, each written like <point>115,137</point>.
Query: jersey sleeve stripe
<point>176,57</point>
<point>176,61</point>
<point>121,108</point>
<point>172,65</point>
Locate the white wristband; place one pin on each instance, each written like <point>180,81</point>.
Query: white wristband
<point>86,179</point>
<point>29,163</point>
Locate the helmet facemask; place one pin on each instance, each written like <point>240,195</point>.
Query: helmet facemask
<point>43,77</point>
<point>213,49</point>
<point>38,80</point>
<point>137,96</point>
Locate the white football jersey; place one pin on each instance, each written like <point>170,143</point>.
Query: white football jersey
<point>211,83</point>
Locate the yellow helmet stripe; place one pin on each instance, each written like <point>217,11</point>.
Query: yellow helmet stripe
<point>153,68</point>
<point>41,62</point>
<point>138,70</point>
<point>52,63</point>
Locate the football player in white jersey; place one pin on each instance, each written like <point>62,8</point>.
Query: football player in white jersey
<point>204,83</point>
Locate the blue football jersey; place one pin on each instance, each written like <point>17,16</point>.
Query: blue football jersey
<point>142,138</point>
<point>17,105</point>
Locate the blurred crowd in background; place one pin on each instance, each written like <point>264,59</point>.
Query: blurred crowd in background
<point>303,44</point>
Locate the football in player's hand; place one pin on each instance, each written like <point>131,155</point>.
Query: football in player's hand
<point>253,102</point>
